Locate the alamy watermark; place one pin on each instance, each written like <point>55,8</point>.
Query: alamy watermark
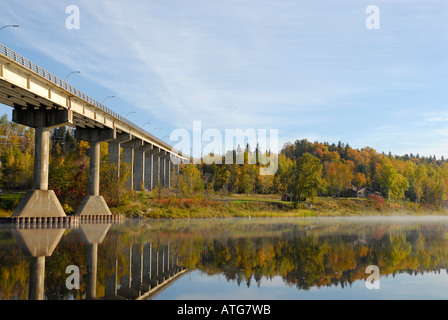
<point>373,20</point>
<point>72,281</point>
<point>373,280</point>
<point>73,21</point>
<point>212,146</point>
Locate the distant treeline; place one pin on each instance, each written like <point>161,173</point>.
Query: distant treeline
<point>307,169</point>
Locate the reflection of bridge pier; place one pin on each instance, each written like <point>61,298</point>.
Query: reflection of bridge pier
<point>93,234</point>
<point>149,267</point>
<point>39,244</point>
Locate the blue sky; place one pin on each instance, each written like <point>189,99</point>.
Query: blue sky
<point>310,69</point>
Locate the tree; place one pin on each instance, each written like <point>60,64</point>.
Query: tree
<point>420,175</point>
<point>190,181</point>
<point>339,176</point>
<point>392,181</point>
<point>359,180</point>
<point>306,177</point>
<point>265,183</point>
<point>283,176</point>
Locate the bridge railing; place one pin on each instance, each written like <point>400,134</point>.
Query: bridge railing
<point>47,75</point>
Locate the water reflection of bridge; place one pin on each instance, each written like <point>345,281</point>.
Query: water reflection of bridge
<point>150,269</point>
<point>148,266</point>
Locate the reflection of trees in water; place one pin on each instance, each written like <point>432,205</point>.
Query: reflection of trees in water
<point>309,261</point>
<point>13,274</point>
<point>305,256</point>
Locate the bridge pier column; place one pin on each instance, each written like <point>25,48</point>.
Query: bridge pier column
<point>40,201</point>
<point>128,157</point>
<point>167,176</point>
<point>41,158</point>
<point>162,171</point>
<point>94,204</point>
<point>148,169</point>
<point>114,147</point>
<point>156,167</point>
<point>139,166</point>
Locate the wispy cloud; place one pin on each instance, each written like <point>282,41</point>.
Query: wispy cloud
<point>295,66</point>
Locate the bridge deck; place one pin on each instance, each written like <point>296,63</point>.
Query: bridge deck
<point>25,85</point>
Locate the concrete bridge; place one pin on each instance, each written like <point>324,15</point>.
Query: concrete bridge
<point>43,101</point>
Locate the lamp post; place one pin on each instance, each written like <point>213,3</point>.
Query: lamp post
<point>107,98</point>
<point>129,113</point>
<point>10,25</point>
<point>65,80</point>
<point>146,123</point>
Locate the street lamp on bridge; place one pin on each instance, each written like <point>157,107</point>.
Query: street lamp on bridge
<point>10,25</point>
<point>129,114</point>
<point>65,80</point>
<point>107,98</point>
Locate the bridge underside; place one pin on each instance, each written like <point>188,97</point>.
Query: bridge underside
<point>22,99</point>
<point>150,165</point>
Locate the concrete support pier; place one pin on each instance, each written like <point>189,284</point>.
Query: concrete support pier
<point>155,167</point>
<point>41,202</point>
<point>41,158</point>
<point>114,150</point>
<point>139,166</point>
<point>148,169</point>
<point>128,157</point>
<point>167,174</point>
<point>94,204</point>
<point>162,168</point>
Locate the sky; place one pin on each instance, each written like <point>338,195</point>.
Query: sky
<point>309,69</point>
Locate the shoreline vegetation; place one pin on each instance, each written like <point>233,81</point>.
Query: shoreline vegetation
<point>148,205</point>
<point>166,205</point>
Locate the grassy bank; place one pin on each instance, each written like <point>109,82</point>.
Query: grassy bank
<point>8,202</point>
<point>150,205</point>
<point>165,205</point>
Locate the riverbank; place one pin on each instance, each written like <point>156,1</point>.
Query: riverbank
<point>153,205</point>
<point>149,205</point>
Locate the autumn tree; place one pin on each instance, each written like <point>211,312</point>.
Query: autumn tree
<point>339,176</point>
<point>418,182</point>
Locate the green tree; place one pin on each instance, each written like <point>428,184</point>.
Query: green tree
<point>190,181</point>
<point>393,182</point>
<point>283,176</point>
<point>306,177</point>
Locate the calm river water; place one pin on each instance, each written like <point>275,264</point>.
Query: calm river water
<point>293,258</point>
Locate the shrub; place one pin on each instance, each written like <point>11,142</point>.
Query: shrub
<point>376,202</point>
